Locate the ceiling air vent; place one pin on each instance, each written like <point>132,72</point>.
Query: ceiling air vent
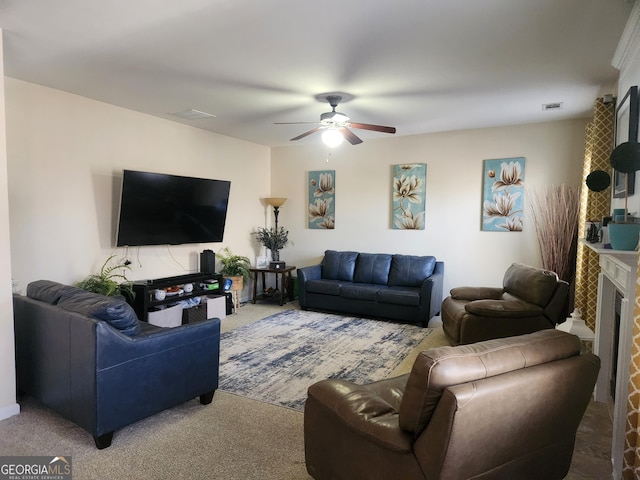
<point>192,114</point>
<point>552,106</point>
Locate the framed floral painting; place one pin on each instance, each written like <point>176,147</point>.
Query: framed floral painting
<point>409,196</point>
<point>322,195</point>
<point>503,195</point>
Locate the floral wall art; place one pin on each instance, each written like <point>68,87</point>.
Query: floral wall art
<point>322,205</point>
<point>503,195</point>
<point>409,196</point>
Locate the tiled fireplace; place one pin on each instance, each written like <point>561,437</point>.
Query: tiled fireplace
<point>616,294</point>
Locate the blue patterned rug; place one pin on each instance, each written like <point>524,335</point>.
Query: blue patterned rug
<point>274,360</point>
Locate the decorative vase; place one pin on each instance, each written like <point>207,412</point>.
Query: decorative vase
<point>624,236</point>
<point>275,255</point>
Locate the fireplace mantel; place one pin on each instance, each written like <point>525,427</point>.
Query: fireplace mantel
<point>618,272</point>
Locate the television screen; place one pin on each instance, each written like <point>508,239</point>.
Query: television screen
<point>161,209</point>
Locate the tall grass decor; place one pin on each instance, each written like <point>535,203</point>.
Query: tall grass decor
<point>555,217</point>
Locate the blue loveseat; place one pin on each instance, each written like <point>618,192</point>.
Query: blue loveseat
<point>90,359</point>
<point>397,287</point>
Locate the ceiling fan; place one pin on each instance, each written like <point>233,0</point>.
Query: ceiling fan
<point>336,125</point>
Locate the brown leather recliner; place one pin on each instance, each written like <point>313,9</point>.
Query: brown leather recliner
<point>501,409</point>
<point>531,299</point>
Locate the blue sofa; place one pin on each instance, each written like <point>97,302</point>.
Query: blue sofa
<point>90,359</point>
<point>397,287</point>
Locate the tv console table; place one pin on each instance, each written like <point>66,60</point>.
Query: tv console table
<point>145,290</point>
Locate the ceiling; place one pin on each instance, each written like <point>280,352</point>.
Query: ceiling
<point>418,65</point>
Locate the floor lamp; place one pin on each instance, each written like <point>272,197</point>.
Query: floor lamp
<point>276,203</point>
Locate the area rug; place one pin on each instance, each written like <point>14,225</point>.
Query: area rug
<point>274,360</point>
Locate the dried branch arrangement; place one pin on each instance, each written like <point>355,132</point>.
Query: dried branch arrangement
<point>555,210</point>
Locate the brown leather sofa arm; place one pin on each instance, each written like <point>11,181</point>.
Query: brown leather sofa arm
<point>362,411</point>
<point>503,308</point>
<point>476,293</point>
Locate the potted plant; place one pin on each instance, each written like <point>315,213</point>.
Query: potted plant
<point>235,267</point>
<point>106,282</point>
<point>274,239</point>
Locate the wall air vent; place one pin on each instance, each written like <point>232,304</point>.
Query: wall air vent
<point>552,106</point>
<point>192,114</point>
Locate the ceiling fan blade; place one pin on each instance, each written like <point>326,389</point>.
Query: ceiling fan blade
<point>313,130</point>
<point>351,137</point>
<point>376,128</point>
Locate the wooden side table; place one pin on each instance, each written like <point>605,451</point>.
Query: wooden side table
<point>285,281</point>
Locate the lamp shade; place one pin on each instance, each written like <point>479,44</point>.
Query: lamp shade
<point>275,201</point>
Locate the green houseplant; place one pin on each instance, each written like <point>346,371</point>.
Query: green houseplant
<point>234,265</point>
<point>109,281</point>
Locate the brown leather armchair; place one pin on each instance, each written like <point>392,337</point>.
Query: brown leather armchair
<point>530,299</point>
<point>501,409</point>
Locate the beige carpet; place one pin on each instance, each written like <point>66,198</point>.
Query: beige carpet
<point>233,438</point>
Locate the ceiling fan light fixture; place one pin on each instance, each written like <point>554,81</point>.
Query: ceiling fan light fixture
<point>334,117</point>
<point>340,117</point>
<point>332,137</point>
<point>335,126</point>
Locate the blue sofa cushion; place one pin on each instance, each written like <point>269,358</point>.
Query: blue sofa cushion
<point>360,292</point>
<point>339,265</point>
<point>48,291</point>
<point>372,268</point>
<point>400,296</point>
<point>113,310</point>
<point>325,287</point>
<point>410,270</point>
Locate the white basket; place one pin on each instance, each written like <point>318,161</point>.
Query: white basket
<point>167,317</point>
<point>217,307</point>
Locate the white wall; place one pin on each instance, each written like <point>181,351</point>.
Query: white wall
<point>8,405</point>
<point>66,155</point>
<point>554,155</point>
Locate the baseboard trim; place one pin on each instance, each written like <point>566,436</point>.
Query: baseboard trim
<point>9,411</point>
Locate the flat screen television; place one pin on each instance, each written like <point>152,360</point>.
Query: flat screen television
<point>161,209</point>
